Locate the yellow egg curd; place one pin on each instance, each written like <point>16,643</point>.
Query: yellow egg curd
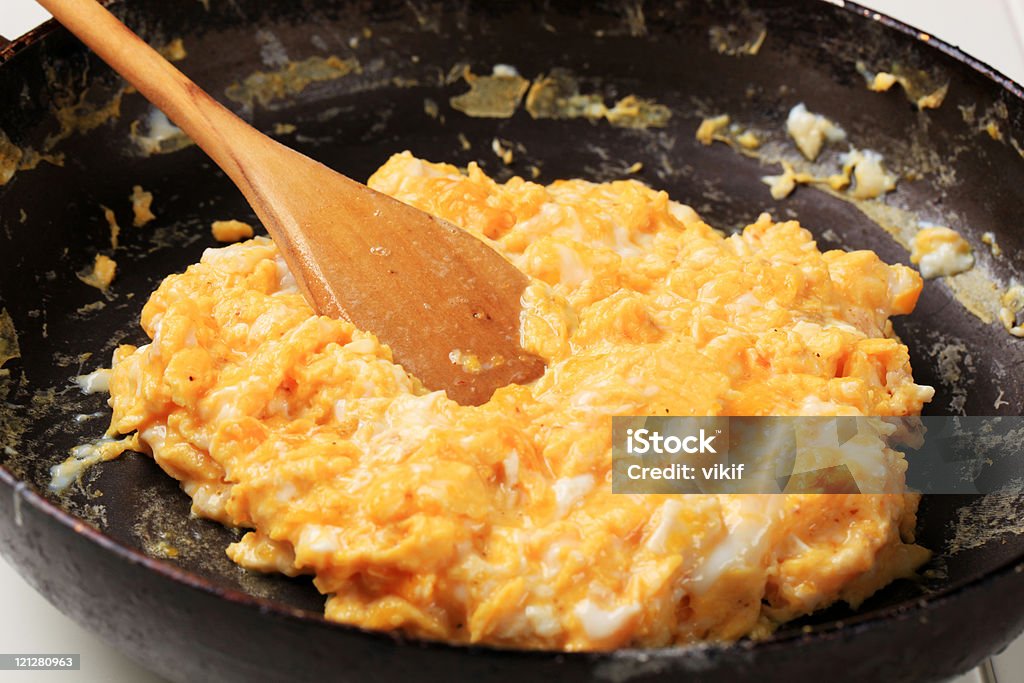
<point>496,523</point>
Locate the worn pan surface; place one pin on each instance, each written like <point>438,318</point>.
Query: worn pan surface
<point>100,553</point>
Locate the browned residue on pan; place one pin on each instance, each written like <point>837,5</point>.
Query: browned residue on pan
<point>14,159</point>
<point>496,96</point>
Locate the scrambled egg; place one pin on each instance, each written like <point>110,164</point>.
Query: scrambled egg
<point>231,231</point>
<point>940,251</point>
<point>496,523</point>
<point>811,131</point>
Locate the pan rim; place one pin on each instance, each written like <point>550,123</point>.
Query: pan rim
<point>911,608</point>
<point>16,45</point>
<point>907,609</point>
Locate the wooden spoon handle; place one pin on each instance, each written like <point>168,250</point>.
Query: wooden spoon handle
<point>423,286</point>
<point>206,121</point>
<point>255,162</point>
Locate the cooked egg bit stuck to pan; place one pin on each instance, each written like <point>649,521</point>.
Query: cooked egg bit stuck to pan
<point>445,302</point>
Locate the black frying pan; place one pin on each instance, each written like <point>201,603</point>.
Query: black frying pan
<point>198,616</point>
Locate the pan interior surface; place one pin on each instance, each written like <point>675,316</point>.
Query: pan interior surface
<point>401,65</point>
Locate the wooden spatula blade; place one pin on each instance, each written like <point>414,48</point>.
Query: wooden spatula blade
<point>446,303</point>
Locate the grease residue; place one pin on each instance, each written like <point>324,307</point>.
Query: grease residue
<point>990,518</point>
<point>79,112</point>
<point>991,120</point>
<point>924,90</point>
<point>8,341</point>
<point>557,95</point>
<point>166,534</point>
<point>954,363</point>
<point>14,159</point>
<point>738,40</point>
<point>266,87</point>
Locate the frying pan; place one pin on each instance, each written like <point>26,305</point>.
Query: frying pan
<point>100,552</point>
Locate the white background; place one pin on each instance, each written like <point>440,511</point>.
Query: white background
<point>992,30</point>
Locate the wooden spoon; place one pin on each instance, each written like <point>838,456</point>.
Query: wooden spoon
<point>446,303</point>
